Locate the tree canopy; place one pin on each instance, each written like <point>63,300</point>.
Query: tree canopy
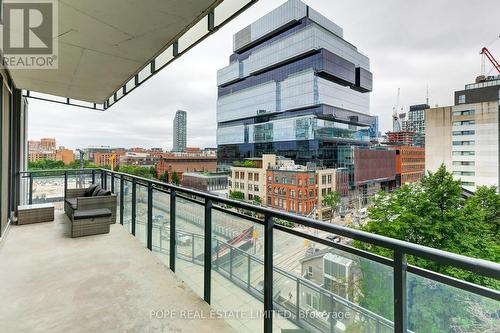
<point>434,214</point>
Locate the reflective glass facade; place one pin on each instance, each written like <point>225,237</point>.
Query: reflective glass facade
<point>293,87</point>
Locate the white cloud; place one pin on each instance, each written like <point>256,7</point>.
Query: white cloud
<point>410,44</point>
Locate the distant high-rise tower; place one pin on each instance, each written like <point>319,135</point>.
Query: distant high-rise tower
<point>179,144</point>
<point>293,87</point>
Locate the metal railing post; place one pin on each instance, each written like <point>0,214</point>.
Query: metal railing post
<point>150,217</point>
<point>297,298</point>
<point>30,195</point>
<point>172,230</point>
<point>93,176</point>
<point>134,205</point>
<point>230,262</point>
<point>112,183</point>
<point>248,271</point>
<point>268,273</point>
<point>102,178</point>
<point>192,248</point>
<point>122,182</point>
<point>65,183</point>
<point>400,319</point>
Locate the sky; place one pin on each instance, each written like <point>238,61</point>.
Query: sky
<point>411,45</point>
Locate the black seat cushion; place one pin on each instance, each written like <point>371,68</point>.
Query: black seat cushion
<point>102,192</point>
<point>72,202</point>
<point>91,189</point>
<point>91,213</point>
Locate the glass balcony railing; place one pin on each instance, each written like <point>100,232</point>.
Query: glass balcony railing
<point>264,277</point>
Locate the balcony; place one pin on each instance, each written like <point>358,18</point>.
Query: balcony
<point>237,267</point>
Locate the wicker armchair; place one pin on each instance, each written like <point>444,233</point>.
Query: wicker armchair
<point>76,200</point>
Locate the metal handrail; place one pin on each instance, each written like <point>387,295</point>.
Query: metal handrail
<point>400,248</point>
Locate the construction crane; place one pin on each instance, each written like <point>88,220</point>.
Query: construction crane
<point>486,53</point>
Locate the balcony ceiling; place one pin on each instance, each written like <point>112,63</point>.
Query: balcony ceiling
<point>104,43</point>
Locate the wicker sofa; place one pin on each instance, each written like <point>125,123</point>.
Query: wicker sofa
<point>90,198</point>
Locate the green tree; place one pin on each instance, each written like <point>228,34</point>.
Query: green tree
<point>332,200</point>
<point>144,172</point>
<point>46,165</point>
<point>434,214</point>
<point>237,195</point>
<point>256,200</point>
<point>175,178</point>
<point>86,164</point>
<point>164,177</point>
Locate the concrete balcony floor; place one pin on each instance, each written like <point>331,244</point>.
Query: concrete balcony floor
<point>106,283</point>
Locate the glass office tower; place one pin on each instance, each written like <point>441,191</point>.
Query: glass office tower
<point>293,87</point>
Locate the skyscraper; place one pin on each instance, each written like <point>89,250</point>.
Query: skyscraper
<point>294,87</point>
<point>179,143</point>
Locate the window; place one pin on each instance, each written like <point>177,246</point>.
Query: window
<point>312,301</point>
<point>311,181</point>
<point>242,175</point>
<point>250,176</point>
<point>323,179</point>
<point>283,180</point>
<point>471,132</point>
<point>236,175</point>
<point>292,180</point>
<point>329,179</point>
<point>300,181</point>
<point>464,153</point>
<point>464,113</point>
<point>292,193</point>
<point>269,201</point>
<point>256,188</point>
<point>464,163</point>
<point>250,197</point>
<point>461,99</point>
<point>464,173</point>
<point>250,187</point>
<point>276,180</point>
<point>269,178</point>
<point>464,123</point>
<point>463,143</point>
<point>256,177</point>
<point>468,184</point>
<point>323,191</point>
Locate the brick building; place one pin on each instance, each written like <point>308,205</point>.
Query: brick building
<point>291,189</point>
<point>182,164</point>
<point>64,154</point>
<point>410,164</point>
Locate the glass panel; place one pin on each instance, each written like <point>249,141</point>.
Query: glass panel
<point>437,307</point>
<point>189,219</point>
<point>48,188</point>
<point>316,286</point>
<point>141,218</point>
<point>226,9</point>
<point>194,34</point>
<point>117,192</point>
<point>161,226</point>
<point>127,205</point>
<point>108,182</point>
<point>164,57</point>
<point>237,270</point>
<point>24,189</point>
<point>144,73</point>
<point>80,180</point>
